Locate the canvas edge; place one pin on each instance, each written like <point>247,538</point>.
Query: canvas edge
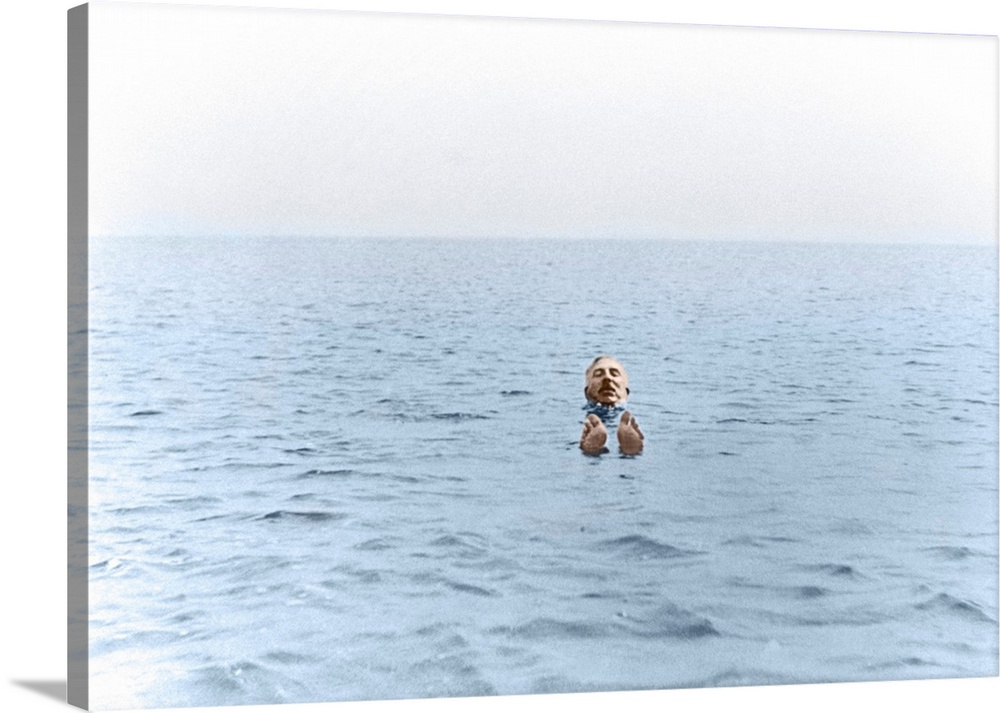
<point>77,688</point>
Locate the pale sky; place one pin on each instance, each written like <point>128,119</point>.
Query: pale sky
<point>212,121</point>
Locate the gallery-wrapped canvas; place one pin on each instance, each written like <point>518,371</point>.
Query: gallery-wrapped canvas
<point>418,356</point>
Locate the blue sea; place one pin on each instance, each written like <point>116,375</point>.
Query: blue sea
<point>326,469</point>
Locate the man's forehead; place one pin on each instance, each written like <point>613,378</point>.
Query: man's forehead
<point>607,363</point>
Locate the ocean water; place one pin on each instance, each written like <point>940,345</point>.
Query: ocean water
<point>347,469</point>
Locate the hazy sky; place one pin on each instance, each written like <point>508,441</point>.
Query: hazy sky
<point>236,121</point>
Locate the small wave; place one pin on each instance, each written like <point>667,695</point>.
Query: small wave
<point>452,675</point>
<point>186,617</point>
<point>470,589</point>
<point>952,605</point>
<point>810,592</point>
<point>233,464</point>
<point>555,684</point>
<point>404,478</point>
<point>195,500</point>
<point>459,416</point>
<point>852,526</point>
<point>247,682</point>
<point>951,553</point>
<point>365,576</point>
<point>150,639</point>
<point>146,412</point>
<point>745,540</point>
<point>311,516</point>
<point>433,630</point>
<point>545,628</point>
<point>290,657</point>
<point>737,677</point>
<point>317,473</point>
<point>119,568</point>
<point>644,547</point>
<point>668,621</point>
<point>902,663</point>
<point>515,392</point>
<point>140,509</point>
<point>375,545</point>
<point>449,540</point>
<point>112,563</point>
<point>412,414</point>
<point>464,548</point>
<point>844,571</point>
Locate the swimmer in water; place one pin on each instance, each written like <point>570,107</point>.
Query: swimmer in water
<point>606,390</point>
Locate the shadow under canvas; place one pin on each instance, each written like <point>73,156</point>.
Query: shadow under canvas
<point>51,688</point>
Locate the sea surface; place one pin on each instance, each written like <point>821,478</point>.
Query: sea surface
<point>328,469</point>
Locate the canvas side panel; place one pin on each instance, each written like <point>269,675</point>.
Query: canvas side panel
<point>77,353</point>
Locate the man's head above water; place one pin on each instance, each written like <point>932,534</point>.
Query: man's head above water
<point>606,381</point>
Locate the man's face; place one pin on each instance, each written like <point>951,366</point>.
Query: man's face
<point>607,382</point>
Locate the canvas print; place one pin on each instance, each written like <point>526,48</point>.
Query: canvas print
<point>423,356</point>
